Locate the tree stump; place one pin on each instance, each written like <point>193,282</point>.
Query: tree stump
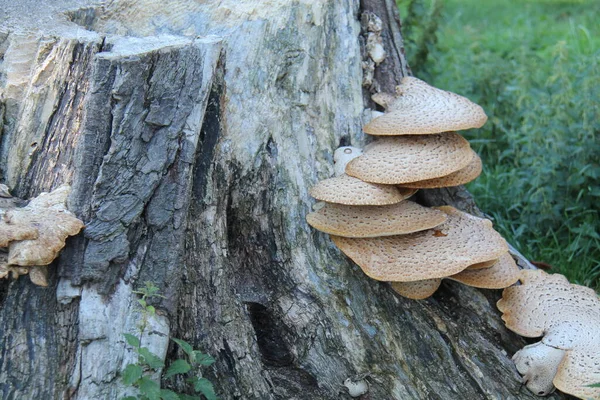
<point>190,134</point>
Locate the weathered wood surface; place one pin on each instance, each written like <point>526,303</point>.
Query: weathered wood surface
<point>190,160</point>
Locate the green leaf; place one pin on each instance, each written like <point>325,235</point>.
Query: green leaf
<point>131,374</point>
<point>167,394</point>
<point>203,359</point>
<point>132,340</point>
<point>129,398</point>
<point>189,350</point>
<point>205,387</point>
<point>188,397</point>
<point>594,385</point>
<point>149,388</point>
<point>142,303</point>
<point>151,310</point>
<point>178,367</point>
<point>151,359</point>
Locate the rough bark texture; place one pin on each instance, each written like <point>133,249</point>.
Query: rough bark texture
<point>190,160</point>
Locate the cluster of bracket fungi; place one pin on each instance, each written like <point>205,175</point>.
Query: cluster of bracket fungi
<point>367,211</point>
<point>32,234</point>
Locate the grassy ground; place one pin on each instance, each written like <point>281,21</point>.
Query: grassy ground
<point>534,65</point>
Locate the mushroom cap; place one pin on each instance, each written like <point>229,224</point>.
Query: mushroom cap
<point>348,190</point>
<point>481,265</point>
<point>38,275</point>
<point>404,159</point>
<point>538,364</point>
<point>460,177</point>
<point>446,250</point>
<point>372,221</point>
<point>502,274</point>
<point>421,109</point>
<point>417,290</point>
<point>568,316</point>
<point>12,229</point>
<point>545,302</point>
<point>54,224</point>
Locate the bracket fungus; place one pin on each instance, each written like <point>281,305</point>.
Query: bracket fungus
<point>502,273</point>
<point>460,177</point>
<point>373,221</point>
<point>43,226</point>
<point>403,159</point>
<point>449,248</point>
<point>568,318</point>
<point>420,109</point>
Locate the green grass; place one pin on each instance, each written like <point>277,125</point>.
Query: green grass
<point>534,65</point>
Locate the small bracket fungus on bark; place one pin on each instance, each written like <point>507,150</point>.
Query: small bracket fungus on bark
<point>448,249</point>
<point>502,273</point>
<point>460,177</point>
<point>420,109</point>
<point>568,318</point>
<point>403,159</point>
<point>36,233</point>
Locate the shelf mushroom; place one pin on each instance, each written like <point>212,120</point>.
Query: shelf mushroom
<point>501,274</point>
<point>402,159</point>
<point>568,318</point>
<point>446,250</point>
<point>47,216</point>
<point>460,177</point>
<point>419,109</point>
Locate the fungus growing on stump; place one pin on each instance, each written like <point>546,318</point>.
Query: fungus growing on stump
<point>502,273</point>
<point>435,253</point>
<point>568,318</point>
<point>35,234</point>
<point>403,159</point>
<point>420,109</point>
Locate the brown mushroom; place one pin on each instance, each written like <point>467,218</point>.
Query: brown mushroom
<point>348,190</point>
<point>420,109</point>
<point>460,177</point>
<point>502,274</point>
<point>568,318</point>
<point>372,221</point>
<point>54,224</point>
<point>451,247</point>
<point>403,159</point>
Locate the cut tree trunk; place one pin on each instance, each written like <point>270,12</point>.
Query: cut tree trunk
<point>190,134</point>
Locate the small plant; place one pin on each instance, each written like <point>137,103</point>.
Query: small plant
<point>138,374</point>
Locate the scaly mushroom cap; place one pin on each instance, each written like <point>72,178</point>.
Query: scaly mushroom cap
<point>417,290</point>
<point>372,221</point>
<point>538,364</point>
<point>460,177</point>
<point>54,224</point>
<point>404,159</point>
<point>568,316</point>
<point>446,250</point>
<point>481,265</point>
<point>420,109</point>
<point>502,274</point>
<point>347,190</point>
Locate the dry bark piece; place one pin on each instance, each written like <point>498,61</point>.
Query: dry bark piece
<point>417,290</point>
<point>373,221</point>
<point>54,224</point>
<point>568,316</point>
<point>446,250</point>
<point>420,109</point>
<point>499,276</point>
<point>348,190</point>
<point>404,159</point>
<point>460,177</point>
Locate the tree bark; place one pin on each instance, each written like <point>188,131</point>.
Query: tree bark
<point>190,135</point>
